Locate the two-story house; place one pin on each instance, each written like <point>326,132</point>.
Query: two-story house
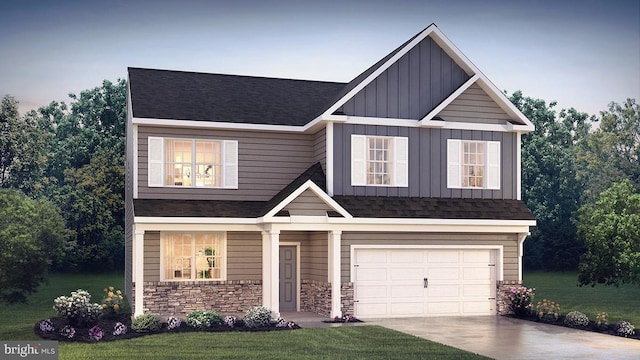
<point>396,194</point>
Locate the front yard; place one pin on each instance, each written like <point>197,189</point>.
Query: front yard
<point>348,342</point>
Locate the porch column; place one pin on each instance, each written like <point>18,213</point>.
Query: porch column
<point>335,280</point>
<point>271,270</point>
<point>138,271</point>
<point>521,238</point>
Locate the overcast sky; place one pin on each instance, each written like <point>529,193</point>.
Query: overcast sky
<point>583,54</point>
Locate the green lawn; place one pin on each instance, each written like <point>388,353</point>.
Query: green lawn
<point>621,303</point>
<point>347,342</point>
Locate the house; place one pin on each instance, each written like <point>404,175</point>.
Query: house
<point>396,194</point>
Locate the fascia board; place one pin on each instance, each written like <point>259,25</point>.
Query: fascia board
<point>501,99</point>
<point>308,185</point>
<point>449,99</point>
<point>431,28</point>
<point>217,125</point>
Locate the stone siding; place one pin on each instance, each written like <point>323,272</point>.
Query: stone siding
<point>315,296</point>
<point>502,300</point>
<point>181,298</point>
<point>346,298</point>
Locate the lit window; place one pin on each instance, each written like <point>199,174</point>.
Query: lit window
<point>193,256</point>
<point>473,164</point>
<point>379,161</point>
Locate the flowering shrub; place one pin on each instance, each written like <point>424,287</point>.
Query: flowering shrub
<point>68,332</point>
<point>282,323</point>
<point>96,333</point>
<point>257,316</point>
<point>46,326</point>
<point>624,328</point>
<point>602,321</point>
<point>119,329</point>
<point>77,308</point>
<point>146,322</point>
<point>548,310</point>
<point>202,319</point>
<point>521,300</point>
<point>113,301</point>
<point>576,319</point>
<point>230,321</point>
<point>173,322</point>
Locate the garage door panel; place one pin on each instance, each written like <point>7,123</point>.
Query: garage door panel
<point>477,273</point>
<point>476,290</point>
<point>407,274</point>
<point>407,308</point>
<point>476,256</point>
<point>407,291</point>
<point>371,309</point>
<point>407,257</point>
<point>476,307</point>
<point>443,291</point>
<point>371,274</point>
<point>443,256</point>
<point>372,292</point>
<point>371,257</point>
<point>443,308</point>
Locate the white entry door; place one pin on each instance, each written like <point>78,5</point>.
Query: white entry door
<point>419,282</point>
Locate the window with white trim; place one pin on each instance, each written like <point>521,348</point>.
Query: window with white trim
<point>473,164</point>
<point>193,163</point>
<point>193,256</point>
<point>379,160</point>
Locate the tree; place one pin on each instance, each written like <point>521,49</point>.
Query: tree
<point>32,236</point>
<point>610,229</point>
<point>612,152</point>
<point>550,187</point>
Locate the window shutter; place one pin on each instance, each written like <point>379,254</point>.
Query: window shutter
<point>401,161</point>
<point>493,165</point>
<point>454,163</point>
<point>358,160</point>
<point>155,168</point>
<point>230,164</point>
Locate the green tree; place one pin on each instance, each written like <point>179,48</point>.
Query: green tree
<point>612,152</point>
<point>610,229</point>
<point>32,237</point>
<point>550,187</point>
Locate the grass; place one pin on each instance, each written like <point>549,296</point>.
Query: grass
<point>621,303</point>
<point>347,342</point>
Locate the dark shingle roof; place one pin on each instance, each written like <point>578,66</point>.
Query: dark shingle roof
<point>434,208</point>
<point>180,95</point>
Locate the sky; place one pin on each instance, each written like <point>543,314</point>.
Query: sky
<point>580,53</point>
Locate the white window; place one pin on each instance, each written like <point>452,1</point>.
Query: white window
<point>473,164</point>
<point>379,161</point>
<point>193,256</point>
<point>193,163</point>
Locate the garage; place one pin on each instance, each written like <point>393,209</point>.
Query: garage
<point>402,282</point>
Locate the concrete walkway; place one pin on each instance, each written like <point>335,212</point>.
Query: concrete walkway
<point>507,338</point>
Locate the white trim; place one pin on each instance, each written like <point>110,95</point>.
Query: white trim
<point>521,238</point>
<point>271,271</point>
<point>298,282</point>
<point>519,165</point>
<point>328,135</point>
<point>334,239</point>
<point>194,220</point>
<point>205,124</point>
<point>498,248</point>
<point>449,100</point>
<point>308,185</point>
<point>363,120</point>
<point>138,261</point>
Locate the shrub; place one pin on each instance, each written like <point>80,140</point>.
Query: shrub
<point>77,308</point>
<point>548,310</point>
<point>230,321</point>
<point>576,319</point>
<point>96,333</point>
<point>202,319</point>
<point>146,322</point>
<point>173,322</point>
<point>119,329</point>
<point>521,300</point>
<point>113,301</point>
<point>68,331</point>
<point>624,328</point>
<point>257,316</point>
<point>602,321</point>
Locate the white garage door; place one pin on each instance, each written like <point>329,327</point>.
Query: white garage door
<point>418,282</point>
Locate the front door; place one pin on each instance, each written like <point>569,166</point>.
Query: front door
<point>288,278</point>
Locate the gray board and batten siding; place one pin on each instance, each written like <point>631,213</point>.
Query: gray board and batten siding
<point>411,87</point>
<point>427,162</point>
<point>268,161</point>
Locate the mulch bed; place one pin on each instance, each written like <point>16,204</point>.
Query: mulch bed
<point>609,330</point>
<point>107,325</point>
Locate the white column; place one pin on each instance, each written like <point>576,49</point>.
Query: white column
<point>334,239</point>
<point>138,271</point>
<point>271,270</point>
<point>521,238</point>
<point>329,157</point>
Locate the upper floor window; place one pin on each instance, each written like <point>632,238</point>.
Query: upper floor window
<point>379,161</point>
<point>473,164</point>
<point>193,163</point>
<point>193,256</point>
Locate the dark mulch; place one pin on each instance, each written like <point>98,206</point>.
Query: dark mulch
<point>609,330</point>
<point>107,325</point>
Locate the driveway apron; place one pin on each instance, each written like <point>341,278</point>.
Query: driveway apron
<point>507,338</point>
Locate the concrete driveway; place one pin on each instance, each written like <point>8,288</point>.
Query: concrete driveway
<point>506,338</point>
